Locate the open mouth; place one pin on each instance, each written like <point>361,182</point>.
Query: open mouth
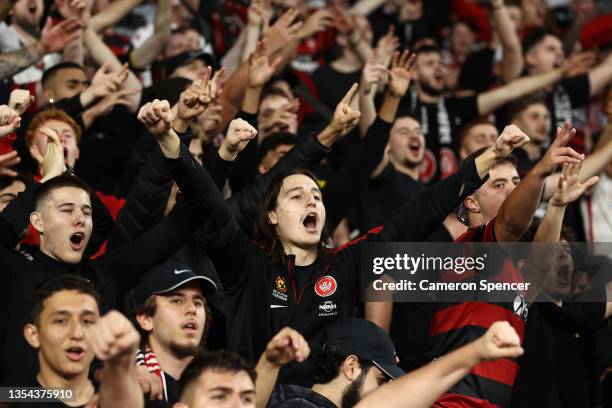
<point>414,147</point>
<point>75,353</point>
<point>77,240</point>
<point>310,221</point>
<point>190,327</point>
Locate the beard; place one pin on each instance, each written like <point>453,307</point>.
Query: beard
<point>352,393</point>
<point>183,350</point>
<point>430,90</point>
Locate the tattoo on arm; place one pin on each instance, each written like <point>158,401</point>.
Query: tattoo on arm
<point>14,62</point>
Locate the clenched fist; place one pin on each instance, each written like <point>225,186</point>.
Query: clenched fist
<point>500,341</point>
<point>239,133</point>
<point>112,336</point>
<point>511,138</point>
<point>156,117</point>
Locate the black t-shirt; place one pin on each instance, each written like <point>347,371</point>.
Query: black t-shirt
<point>385,196</point>
<point>559,367</point>
<point>333,85</point>
<point>172,392</point>
<point>571,93</point>
<point>441,123</point>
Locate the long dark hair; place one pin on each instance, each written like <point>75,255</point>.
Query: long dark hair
<point>265,233</point>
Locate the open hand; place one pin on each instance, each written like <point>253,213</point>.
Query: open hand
<point>569,188</point>
<point>558,153</point>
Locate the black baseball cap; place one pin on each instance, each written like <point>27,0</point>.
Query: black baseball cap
<point>172,63</point>
<point>365,340</point>
<point>169,276</point>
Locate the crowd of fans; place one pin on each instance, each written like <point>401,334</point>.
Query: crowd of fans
<point>188,189</point>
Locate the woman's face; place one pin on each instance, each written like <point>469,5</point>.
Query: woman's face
<point>299,215</point>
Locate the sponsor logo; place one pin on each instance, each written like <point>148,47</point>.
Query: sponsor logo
<point>325,286</point>
<point>280,284</point>
<point>277,306</point>
<point>177,272</point>
<point>328,308</point>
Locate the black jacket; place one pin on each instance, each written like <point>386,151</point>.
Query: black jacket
<point>263,296</point>
<point>294,396</point>
<point>112,274</point>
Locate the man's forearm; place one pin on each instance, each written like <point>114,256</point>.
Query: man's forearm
<point>549,229</point>
<point>516,214</point>
<point>491,100</point>
<point>267,374</point>
<point>250,42</point>
<point>112,14</point>
<point>389,107</point>
<point>600,76</point>
<point>144,55</point>
<point>250,102</point>
<point>512,62</point>
<point>102,54</point>
<point>13,62</point>
<point>119,386</point>
<point>421,388</point>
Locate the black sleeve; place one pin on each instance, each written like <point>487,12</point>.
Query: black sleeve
<point>218,169</point>
<point>16,216</point>
<point>202,204</point>
<point>579,90</point>
<point>342,193</point>
<point>146,203</point>
<point>422,216</point>
<point>244,205</point>
<point>102,225</point>
<point>245,168</point>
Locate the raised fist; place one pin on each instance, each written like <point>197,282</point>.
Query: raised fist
<point>286,346</point>
<point>511,138</point>
<point>112,336</point>
<point>500,341</point>
<point>157,118</point>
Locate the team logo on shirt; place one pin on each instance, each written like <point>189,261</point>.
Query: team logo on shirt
<point>448,163</point>
<point>428,167</point>
<point>280,284</point>
<point>520,307</point>
<point>326,286</point>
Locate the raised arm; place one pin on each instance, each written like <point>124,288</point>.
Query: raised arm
<point>491,100</point>
<point>516,214</point>
<point>422,387</point>
<point>114,341</point>
<point>112,14</point>
<point>261,69</point>
<point>103,55</point>
<point>600,76</point>
<point>288,345</point>
<point>146,53</point>
<point>423,215</point>
<point>594,163</point>
<point>354,175</point>
<point>512,60</point>
<point>52,39</point>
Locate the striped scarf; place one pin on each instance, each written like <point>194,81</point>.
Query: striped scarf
<point>147,358</point>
